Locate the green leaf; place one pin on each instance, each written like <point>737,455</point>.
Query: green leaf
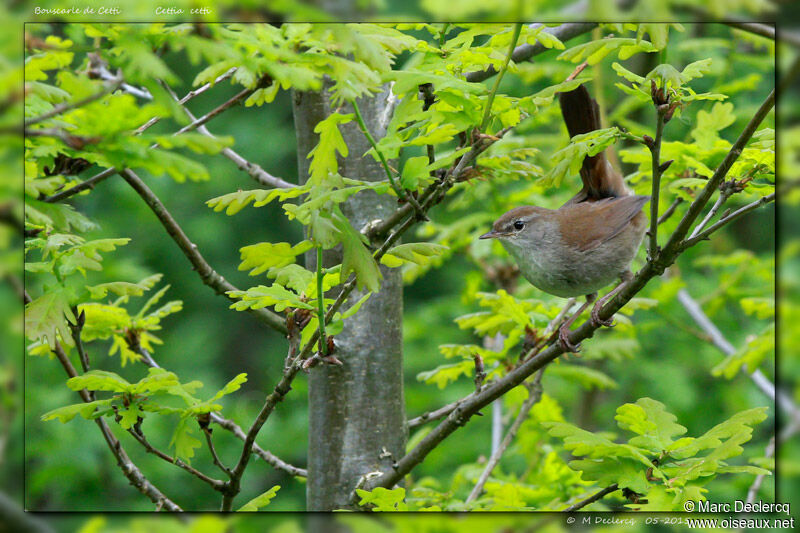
<point>236,201</point>
<point>183,440</point>
<point>708,125</point>
<point>129,416</point>
<point>420,253</point>
<point>263,296</point>
<point>323,156</point>
<point>67,413</point>
<point>260,501</point>
<point>356,257</point>
<point>414,169</point>
<point>46,317</point>
<point>650,420</point>
<point>99,380</point>
<point>232,386</point>
<point>262,256</point>
<point>596,50</point>
<point>444,374</point>
<point>383,499</point>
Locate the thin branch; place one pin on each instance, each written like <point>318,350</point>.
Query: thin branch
<point>670,210</point>
<point>207,274</point>
<point>752,492</point>
<point>524,52</point>
<point>213,451</point>
<point>718,339</point>
<point>94,180</point>
<point>432,416</point>
<point>694,239</point>
<point>215,484</point>
<point>255,171</point>
<point>191,94</point>
<point>129,469</point>
<point>401,193</point>
<point>229,425</point>
<point>63,108</point>
<point>755,28</point>
<point>534,395</point>
<point>655,152</point>
<point>599,495</point>
<point>487,112</point>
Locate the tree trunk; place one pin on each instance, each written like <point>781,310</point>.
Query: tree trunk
<point>356,411</point>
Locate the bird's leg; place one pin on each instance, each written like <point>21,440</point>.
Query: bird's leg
<point>596,320</point>
<point>563,331</point>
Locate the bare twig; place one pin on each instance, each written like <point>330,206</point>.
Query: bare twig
<point>670,210</point>
<point>534,395</point>
<point>599,495</point>
<point>213,451</point>
<point>703,235</point>
<point>208,275</point>
<point>755,28</point>
<point>752,492</point>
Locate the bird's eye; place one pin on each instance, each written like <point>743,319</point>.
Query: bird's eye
<point>519,224</point>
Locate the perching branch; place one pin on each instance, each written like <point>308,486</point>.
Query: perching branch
<point>471,404</point>
<point>208,275</point>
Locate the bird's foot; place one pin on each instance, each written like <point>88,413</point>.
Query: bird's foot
<point>563,340</point>
<point>597,321</point>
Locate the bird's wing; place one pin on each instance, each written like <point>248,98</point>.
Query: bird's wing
<point>590,224</point>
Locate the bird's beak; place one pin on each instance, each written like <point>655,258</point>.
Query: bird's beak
<point>491,235</point>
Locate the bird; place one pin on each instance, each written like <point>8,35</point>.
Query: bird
<point>587,243</point>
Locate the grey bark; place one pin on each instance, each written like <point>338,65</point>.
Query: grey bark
<point>356,411</point>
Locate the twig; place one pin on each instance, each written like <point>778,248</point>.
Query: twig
<point>401,193</point>
<point>233,427</point>
<point>524,52</point>
<point>655,152</point>
<point>213,451</point>
<point>208,275</point>
<point>191,94</point>
<point>534,395</point>
<point>718,339</point>
<point>670,210</point>
<point>752,492</point>
<point>432,416</point>
<point>323,343</point>
<point>215,484</point>
<point>63,108</point>
<point>599,495</point>
<point>255,171</point>
<point>728,219</point>
<point>487,111</point>
<point>724,194</point>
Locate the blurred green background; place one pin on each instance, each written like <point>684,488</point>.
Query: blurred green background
<point>662,358</point>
